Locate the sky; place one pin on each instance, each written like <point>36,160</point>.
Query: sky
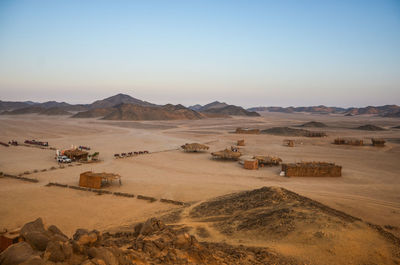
<point>248,53</point>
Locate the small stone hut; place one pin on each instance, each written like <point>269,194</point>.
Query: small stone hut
<point>240,142</point>
<point>268,160</point>
<point>378,142</point>
<point>289,143</point>
<point>93,180</point>
<point>251,164</point>
<point>343,141</point>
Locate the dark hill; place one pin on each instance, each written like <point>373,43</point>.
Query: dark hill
<point>119,99</point>
<point>12,105</point>
<point>167,112</point>
<point>196,107</point>
<point>370,127</point>
<point>232,110</point>
<point>285,131</point>
<point>213,105</point>
<point>38,110</point>
<point>314,124</point>
<point>137,112</point>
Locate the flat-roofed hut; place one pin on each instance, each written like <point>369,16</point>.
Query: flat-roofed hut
<point>93,180</point>
<point>268,160</point>
<point>240,142</point>
<point>194,147</point>
<point>76,154</point>
<point>348,141</point>
<point>289,143</point>
<point>312,169</point>
<point>378,142</point>
<point>315,134</point>
<point>250,164</point>
<point>226,155</point>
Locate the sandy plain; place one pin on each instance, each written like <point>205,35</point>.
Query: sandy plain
<point>369,187</point>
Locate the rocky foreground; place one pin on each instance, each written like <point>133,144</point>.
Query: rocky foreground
<point>151,242</point>
<point>286,227</point>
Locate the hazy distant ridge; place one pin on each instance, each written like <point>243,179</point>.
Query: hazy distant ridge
<point>384,111</point>
<point>104,107</point>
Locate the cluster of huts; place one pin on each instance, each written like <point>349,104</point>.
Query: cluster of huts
<point>302,169</point>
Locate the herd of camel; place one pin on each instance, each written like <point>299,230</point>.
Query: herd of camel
<point>129,154</point>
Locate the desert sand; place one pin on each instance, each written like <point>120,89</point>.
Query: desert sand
<point>368,189</point>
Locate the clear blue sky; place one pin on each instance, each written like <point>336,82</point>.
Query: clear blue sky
<point>251,53</point>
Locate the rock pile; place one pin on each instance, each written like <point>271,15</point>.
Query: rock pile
<point>151,242</point>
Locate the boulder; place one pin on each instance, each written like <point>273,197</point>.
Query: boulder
<point>87,262</point>
<point>37,240</point>
<point>84,237</point>
<point>35,234</point>
<point>16,254</point>
<point>103,254</point>
<point>34,260</point>
<point>151,226</point>
<point>57,234</point>
<point>35,226</point>
<point>98,262</point>
<point>58,251</point>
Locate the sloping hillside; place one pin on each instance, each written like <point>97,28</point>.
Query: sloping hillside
<point>269,225</point>
<point>231,110</point>
<point>213,105</point>
<point>294,225</point>
<point>12,105</point>
<point>384,111</point>
<point>167,112</point>
<point>285,131</point>
<point>38,110</point>
<point>313,124</point>
<point>370,127</point>
<point>94,113</point>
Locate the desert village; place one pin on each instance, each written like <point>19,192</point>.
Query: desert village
<point>199,132</point>
<point>75,174</point>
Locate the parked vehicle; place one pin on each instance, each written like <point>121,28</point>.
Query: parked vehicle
<point>36,142</point>
<point>63,159</point>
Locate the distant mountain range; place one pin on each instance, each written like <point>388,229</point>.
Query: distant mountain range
<point>39,110</point>
<point>125,107</point>
<point>384,111</point>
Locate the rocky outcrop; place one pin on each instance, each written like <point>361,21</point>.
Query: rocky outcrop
<point>150,242</point>
<point>16,254</point>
